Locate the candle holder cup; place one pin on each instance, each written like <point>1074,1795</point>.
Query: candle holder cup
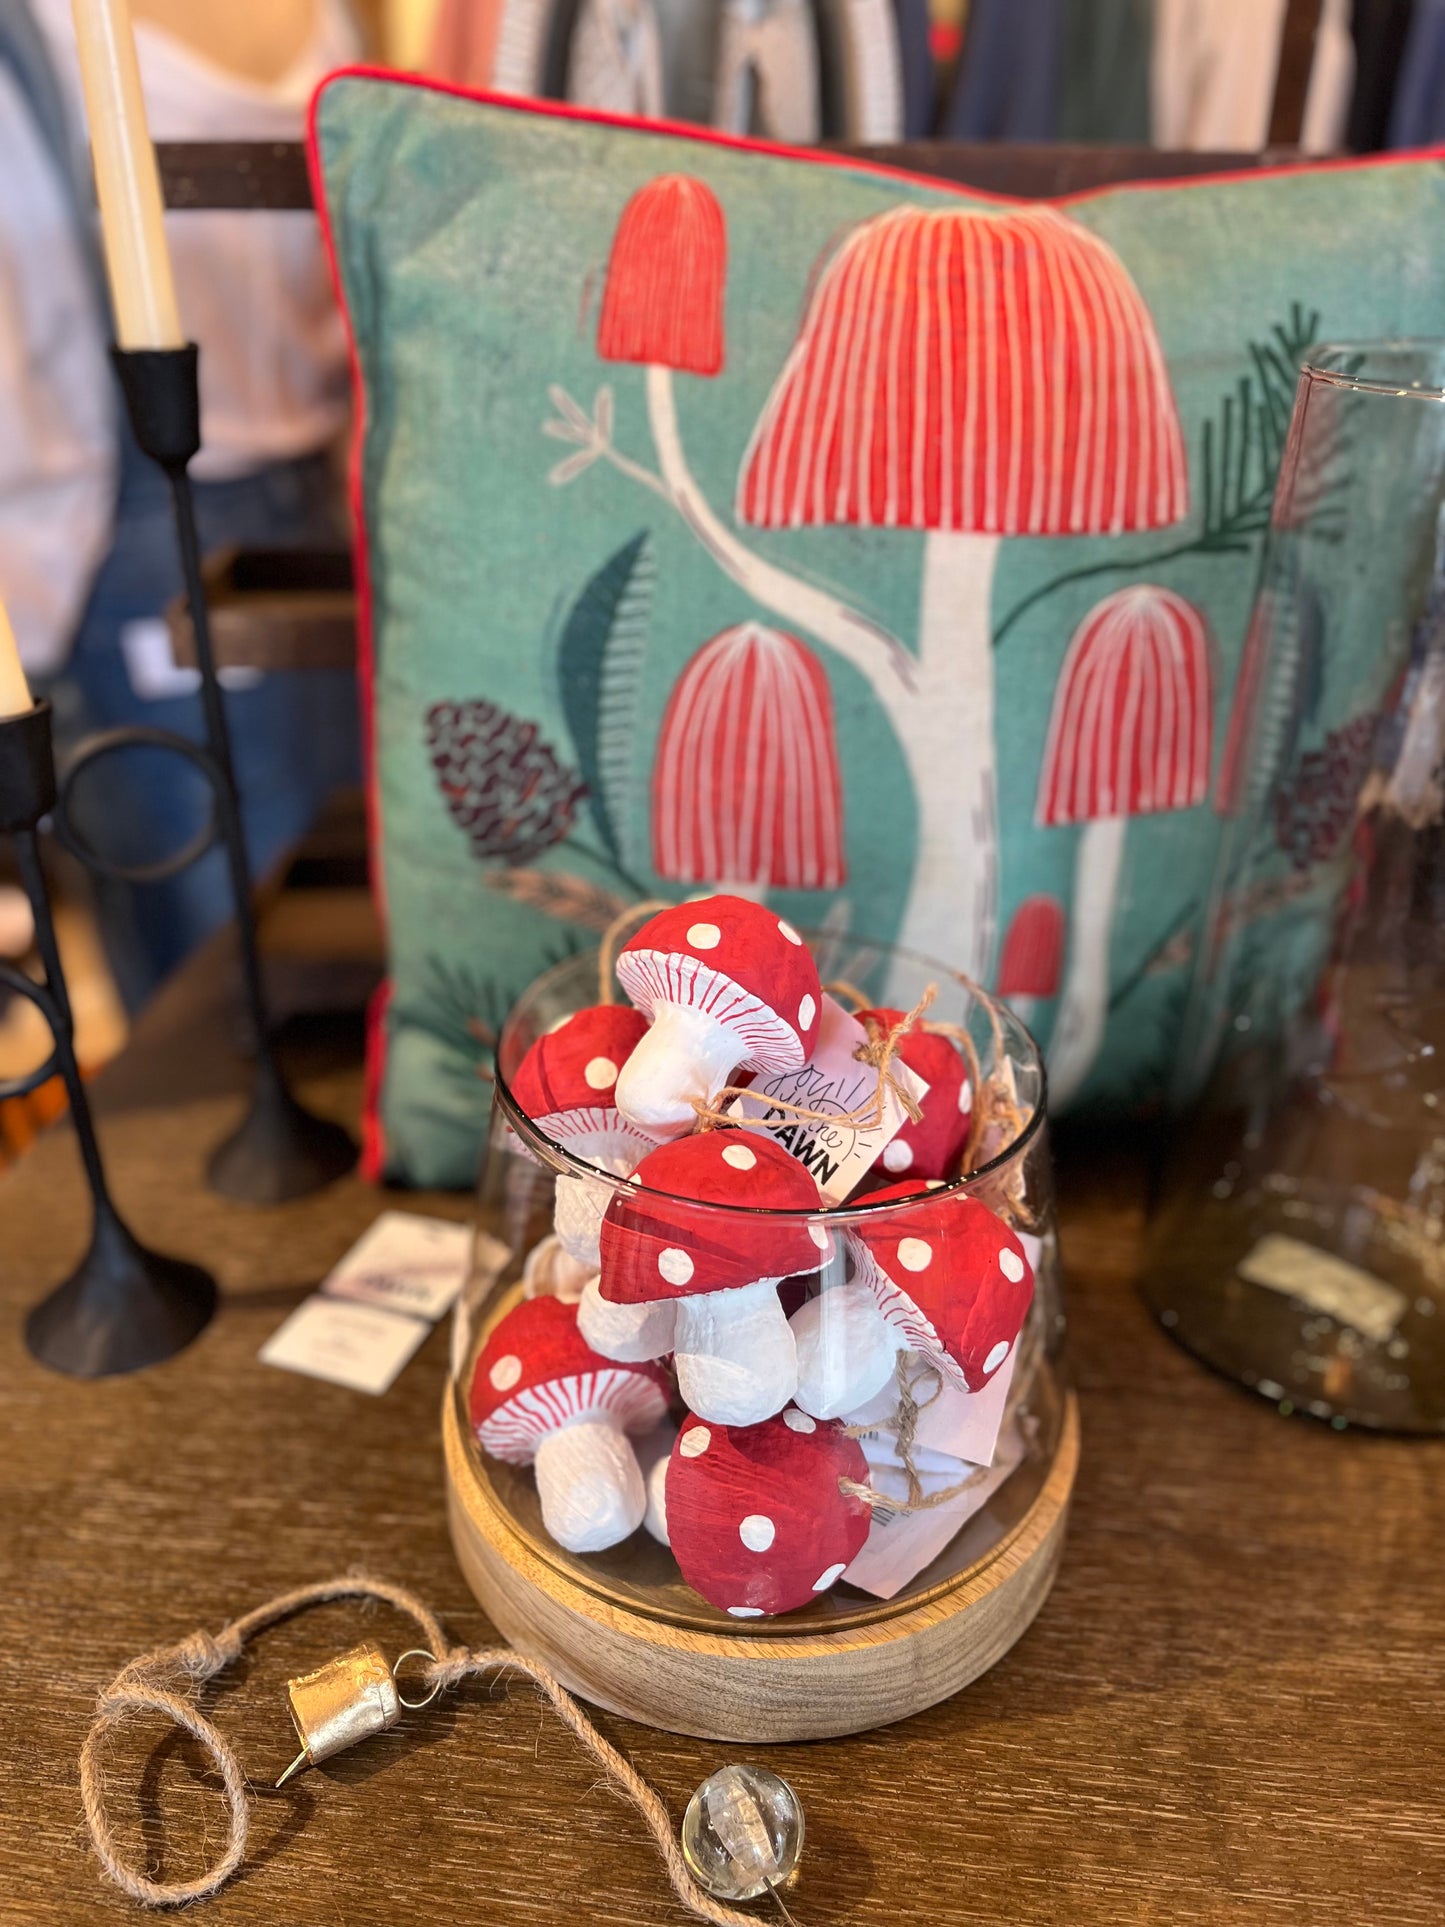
<point>280,1150</point>
<point>124,1306</point>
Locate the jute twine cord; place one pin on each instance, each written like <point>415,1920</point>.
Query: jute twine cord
<point>165,1681</point>
<point>878,1050</point>
<point>607,948</point>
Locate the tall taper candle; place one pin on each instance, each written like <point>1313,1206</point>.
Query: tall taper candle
<point>14,690</point>
<point>127,181</point>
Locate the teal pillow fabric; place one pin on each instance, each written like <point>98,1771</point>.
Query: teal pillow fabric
<point>738,518</point>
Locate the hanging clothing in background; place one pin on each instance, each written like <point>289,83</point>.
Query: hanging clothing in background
<point>1380,29</point>
<point>1214,67</point>
<point>915,55</point>
<point>1104,70</point>
<point>1418,116</point>
<point>1007,86</point>
<point>767,71</point>
<point>615,60</point>
<point>463,45</point>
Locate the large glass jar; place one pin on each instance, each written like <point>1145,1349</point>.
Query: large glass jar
<point>916,1464</point>
<point>1299,1244</point>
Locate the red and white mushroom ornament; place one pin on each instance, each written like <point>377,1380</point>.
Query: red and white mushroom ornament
<point>567,1086</point>
<point>949,1275</point>
<point>757,1516</point>
<point>728,985</point>
<point>542,1397</point>
<point>627,1332</point>
<point>932,1147</point>
<point>733,1350</point>
<point>846,1349</point>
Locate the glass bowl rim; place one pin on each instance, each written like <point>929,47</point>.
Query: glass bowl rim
<point>1311,365</point>
<point>1015,1149</point>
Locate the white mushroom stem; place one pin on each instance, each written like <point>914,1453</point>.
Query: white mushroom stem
<point>1084,1007</point>
<point>940,702</point>
<point>686,1055</point>
<point>846,1350</point>
<point>581,1204</point>
<point>550,1273</point>
<point>815,609</point>
<point>628,1333</point>
<point>948,741</point>
<point>589,1483</point>
<point>734,1352</point>
<point>653,1452</point>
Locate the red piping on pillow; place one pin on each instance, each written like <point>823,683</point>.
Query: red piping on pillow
<point>373,1153</point>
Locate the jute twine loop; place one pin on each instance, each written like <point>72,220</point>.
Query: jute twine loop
<point>878,1050</point>
<point>162,1681</point>
<point>607,949</point>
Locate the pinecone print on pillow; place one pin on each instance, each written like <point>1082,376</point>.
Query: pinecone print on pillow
<point>1314,816</point>
<point>501,779</point>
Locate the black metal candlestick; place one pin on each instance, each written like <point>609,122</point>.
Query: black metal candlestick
<point>280,1150</point>
<point>123,1306</point>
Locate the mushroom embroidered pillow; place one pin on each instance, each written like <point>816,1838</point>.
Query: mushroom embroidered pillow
<point>762,523</point>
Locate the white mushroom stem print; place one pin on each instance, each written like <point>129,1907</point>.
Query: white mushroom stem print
<point>1131,733</point>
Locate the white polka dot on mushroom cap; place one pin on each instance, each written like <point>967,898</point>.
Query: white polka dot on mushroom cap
<point>965,1096</point>
<point>834,1572</point>
<point>740,1157</point>
<point>787,931</point>
<point>675,1266</point>
<point>997,1356</point>
<point>897,1156</point>
<point>601,1074</point>
<point>797,1421</point>
<point>505,1373</point>
<point>1011,1265</point>
<point>757,1532</point>
<point>915,1254</point>
<point>807,1011</point>
<point>746,1612</point>
<point>694,1441</point>
<point>704,936</point>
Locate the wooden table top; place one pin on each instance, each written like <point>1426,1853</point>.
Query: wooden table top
<point>1229,1710</point>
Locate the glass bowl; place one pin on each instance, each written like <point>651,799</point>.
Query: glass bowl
<point>980,1415</point>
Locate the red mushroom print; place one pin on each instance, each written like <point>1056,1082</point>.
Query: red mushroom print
<point>746,791</point>
<point>971,374</point>
<point>662,308</point>
<point>727,985</point>
<point>1130,734</point>
<point>733,1350</point>
<point>1033,956</point>
<point>542,1397</point>
<point>932,1147</point>
<point>757,1516</point>
<point>950,1276</point>
<point>567,1086</point>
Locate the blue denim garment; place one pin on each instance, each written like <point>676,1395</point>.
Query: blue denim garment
<point>1007,86</point>
<point>295,736</point>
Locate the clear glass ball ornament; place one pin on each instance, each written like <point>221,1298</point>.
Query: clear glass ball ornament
<point>742,1834</point>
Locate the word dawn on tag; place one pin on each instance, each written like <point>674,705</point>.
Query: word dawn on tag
<point>835,1084</point>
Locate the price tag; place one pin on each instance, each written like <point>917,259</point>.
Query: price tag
<point>900,1544</point>
<point>836,1084</point>
<point>405,1262</point>
<point>359,1346</point>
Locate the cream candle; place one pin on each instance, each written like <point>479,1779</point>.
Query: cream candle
<point>14,690</point>
<point>127,181</point>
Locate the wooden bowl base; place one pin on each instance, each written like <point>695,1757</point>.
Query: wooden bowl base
<point>732,1687</point>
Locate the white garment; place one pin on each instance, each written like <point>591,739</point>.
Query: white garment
<point>57,449</point>
<point>252,288</point>
<point>1215,63</point>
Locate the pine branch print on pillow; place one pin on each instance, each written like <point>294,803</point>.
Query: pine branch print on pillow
<point>501,779</point>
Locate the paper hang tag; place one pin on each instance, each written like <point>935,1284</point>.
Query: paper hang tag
<point>900,1544</point>
<point>359,1346</point>
<point>836,1082</point>
<point>957,1424</point>
<point>1325,1283</point>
